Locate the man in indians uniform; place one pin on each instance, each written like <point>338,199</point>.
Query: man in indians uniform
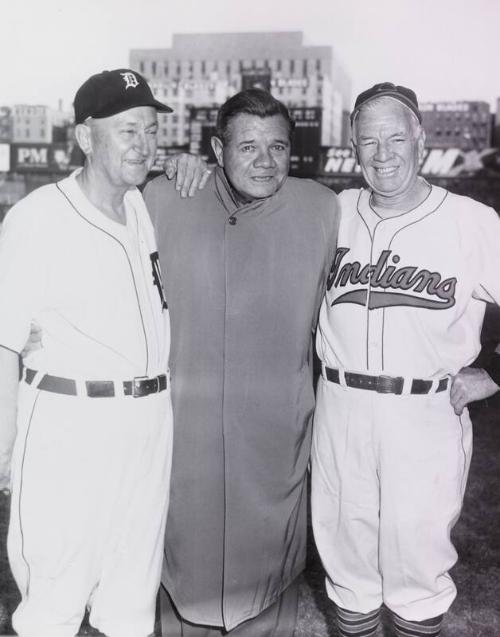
<point>414,269</point>
<point>89,427</point>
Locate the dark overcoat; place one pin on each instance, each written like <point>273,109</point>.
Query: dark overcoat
<point>243,285</point>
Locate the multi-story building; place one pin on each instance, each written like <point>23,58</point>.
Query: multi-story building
<point>5,124</point>
<point>465,125</point>
<point>35,124</point>
<point>31,123</point>
<point>203,70</point>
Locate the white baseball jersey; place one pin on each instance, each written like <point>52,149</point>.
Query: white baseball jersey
<point>405,295</point>
<point>90,476</point>
<point>87,281</point>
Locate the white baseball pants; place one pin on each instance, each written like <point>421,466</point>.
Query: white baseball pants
<point>388,478</point>
<point>89,502</point>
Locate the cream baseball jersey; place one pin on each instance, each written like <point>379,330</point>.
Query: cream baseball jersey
<point>92,284</point>
<point>405,295</point>
<point>94,288</point>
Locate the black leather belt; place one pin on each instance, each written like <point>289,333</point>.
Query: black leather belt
<point>138,387</point>
<point>384,384</point>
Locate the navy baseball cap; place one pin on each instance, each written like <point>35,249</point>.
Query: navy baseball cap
<point>387,89</point>
<point>112,92</point>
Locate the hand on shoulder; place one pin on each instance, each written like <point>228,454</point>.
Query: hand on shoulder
<point>191,173</point>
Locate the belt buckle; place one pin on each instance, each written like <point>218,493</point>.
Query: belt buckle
<point>389,385</point>
<point>141,386</point>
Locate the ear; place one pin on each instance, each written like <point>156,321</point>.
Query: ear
<point>218,147</point>
<point>83,137</point>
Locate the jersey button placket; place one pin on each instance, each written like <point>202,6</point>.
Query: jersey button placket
<point>376,314</point>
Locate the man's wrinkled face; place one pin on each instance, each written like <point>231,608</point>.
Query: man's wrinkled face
<point>123,146</point>
<point>255,155</point>
<point>389,145</point>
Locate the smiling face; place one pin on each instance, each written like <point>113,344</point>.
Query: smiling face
<point>389,145</point>
<point>123,146</point>
<point>255,155</point>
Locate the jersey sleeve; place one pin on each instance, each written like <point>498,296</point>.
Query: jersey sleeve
<point>487,250</point>
<point>22,275</point>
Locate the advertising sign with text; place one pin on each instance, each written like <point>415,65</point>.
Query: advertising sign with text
<point>62,157</point>
<point>438,162</point>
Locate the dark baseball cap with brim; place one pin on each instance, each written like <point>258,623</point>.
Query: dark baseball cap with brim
<point>112,92</point>
<point>387,89</point>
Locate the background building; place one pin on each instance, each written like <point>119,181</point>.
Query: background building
<point>31,123</point>
<point>464,125</point>
<point>201,71</point>
<point>39,124</point>
<point>5,124</point>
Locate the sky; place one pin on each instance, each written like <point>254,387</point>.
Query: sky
<point>443,49</point>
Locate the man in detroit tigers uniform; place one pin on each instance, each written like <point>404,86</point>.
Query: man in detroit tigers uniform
<point>91,458</point>
<point>406,294</point>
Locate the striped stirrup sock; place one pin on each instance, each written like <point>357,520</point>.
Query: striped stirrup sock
<point>426,628</point>
<point>357,624</point>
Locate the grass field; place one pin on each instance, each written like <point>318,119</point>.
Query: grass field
<point>475,613</point>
